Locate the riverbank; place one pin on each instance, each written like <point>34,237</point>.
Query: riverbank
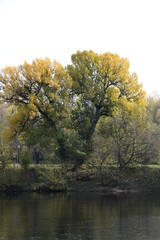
<point>52,179</point>
<point>135,179</point>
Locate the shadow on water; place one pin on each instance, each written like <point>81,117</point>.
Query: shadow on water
<point>64,216</point>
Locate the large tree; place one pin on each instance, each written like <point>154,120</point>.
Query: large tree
<point>69,102</point>
<point>100,83</point>
<point>40,93</point>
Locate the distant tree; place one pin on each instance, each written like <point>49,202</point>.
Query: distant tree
<point>5,153</point>
<point>153,109</point>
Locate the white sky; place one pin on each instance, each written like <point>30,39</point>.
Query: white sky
<point>56,29</point>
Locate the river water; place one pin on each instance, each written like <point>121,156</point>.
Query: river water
<point>33,216</point>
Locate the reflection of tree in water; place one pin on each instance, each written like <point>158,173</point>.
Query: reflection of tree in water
<point>78,216</point>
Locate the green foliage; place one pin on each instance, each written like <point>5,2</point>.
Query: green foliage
<point>100,83</point>
<point>25,160</point>
<point>129,136</point>
<point>5,147</point>
<point>48,179</point>
<point>37,178</point>
<point>10,179</point>
<point>4,157</point>
<point>59,108</point>
<point>40,93</point>
<point>153,110</point>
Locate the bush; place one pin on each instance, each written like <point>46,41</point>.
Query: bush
<point>10,179</point>
<point>25,160</point>
<point>48,179</point>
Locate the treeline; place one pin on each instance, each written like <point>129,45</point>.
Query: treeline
<point>91,111</point>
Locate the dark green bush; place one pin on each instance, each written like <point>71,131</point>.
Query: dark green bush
<point>10,179</point>
<point>48,179</point>
<point>25,160</point>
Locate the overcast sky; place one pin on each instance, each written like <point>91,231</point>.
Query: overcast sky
<point>56,29</point>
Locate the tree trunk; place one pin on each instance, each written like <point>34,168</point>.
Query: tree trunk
<point>62,150</point>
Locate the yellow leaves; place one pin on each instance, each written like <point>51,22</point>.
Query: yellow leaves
<point>26,70</point>
<point>16,123</point>
<point>130,109</point>
<point>42,72</point>
<point>39,89</point>
<point>46,72</point>
<point>105,80</point>
<point>114,67</point>
<point>61,77</point>
<point>32,107</point>
<point>112,94</point>
<point>102,81</point>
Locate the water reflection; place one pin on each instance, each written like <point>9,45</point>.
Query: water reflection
<point>79,216</point>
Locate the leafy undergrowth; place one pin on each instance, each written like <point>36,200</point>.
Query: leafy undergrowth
<point>46,178</point>
<point>36,178</point>
<point>135,178</point>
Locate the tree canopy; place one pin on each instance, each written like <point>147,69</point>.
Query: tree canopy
<point>100,82</point>
<point>67,103</point>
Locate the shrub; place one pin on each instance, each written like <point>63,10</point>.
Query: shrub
<point>10,179</point>
<point>25,160</point>
<point>49,179</point>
